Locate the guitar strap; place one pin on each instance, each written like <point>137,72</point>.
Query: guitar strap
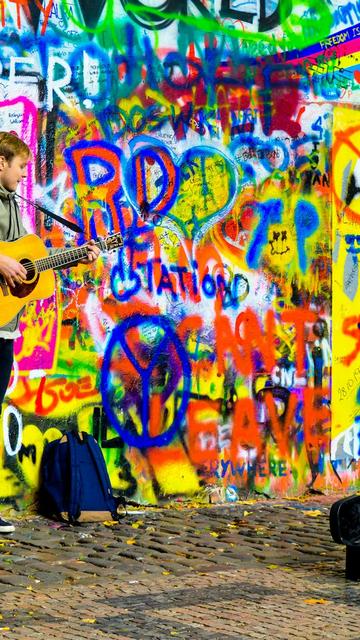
<point>47,212</point>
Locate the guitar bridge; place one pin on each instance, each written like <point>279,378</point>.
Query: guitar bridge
<point>4,287</point>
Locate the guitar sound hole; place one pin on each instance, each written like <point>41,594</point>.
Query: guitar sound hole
<point>24,289</point>
<point>30,269</point>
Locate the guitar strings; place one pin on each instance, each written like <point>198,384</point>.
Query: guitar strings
<point>31,264</point>
<point>55,256</point>
<point>49,258</point>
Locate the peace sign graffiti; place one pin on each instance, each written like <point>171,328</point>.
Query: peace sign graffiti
<point>144,356</point>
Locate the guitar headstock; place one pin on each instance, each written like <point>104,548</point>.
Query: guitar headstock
<point>112,242</point>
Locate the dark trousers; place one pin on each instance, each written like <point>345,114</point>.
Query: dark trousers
<point>6,362</point>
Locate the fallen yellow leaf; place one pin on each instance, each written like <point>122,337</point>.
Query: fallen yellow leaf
<point>110,523</point>
<point>313,513</point>
<point>137,524</point>
<point>272,566</point>
<point>247,513</point>
<point>9,541</point>
<point>166,573</point>
<point>214,534</point>
<point>131,541</point>
<point>317,601</point>
<point>88,620</point>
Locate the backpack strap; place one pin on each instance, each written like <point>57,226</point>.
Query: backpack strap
<point>99,461</point>
<point>74,496</point>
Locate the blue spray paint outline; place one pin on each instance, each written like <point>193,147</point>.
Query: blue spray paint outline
<point>149,147</point>
<point>118,337</point>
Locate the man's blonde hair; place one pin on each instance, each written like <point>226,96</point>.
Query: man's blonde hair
<point>11,145</point>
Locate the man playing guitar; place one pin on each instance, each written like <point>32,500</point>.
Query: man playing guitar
<point>14,158</point>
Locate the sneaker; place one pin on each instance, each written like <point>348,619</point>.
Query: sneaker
<point>6,527</point>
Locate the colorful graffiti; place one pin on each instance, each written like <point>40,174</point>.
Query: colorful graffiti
<point>217,351</point>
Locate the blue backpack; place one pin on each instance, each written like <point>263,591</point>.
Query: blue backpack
<point>75,484</point>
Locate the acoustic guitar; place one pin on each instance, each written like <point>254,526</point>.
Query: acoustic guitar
<point>31,252</point>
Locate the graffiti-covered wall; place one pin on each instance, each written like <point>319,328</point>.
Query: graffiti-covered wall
<point>216,350</point>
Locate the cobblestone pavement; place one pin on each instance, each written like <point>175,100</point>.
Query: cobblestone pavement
<point>253,569</point>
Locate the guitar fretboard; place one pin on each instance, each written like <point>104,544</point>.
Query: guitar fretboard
<point>62,259</point>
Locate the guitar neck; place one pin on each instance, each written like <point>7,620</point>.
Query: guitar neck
<point>63,258</point>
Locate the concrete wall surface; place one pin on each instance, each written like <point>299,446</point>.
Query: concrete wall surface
<point>216,350</point>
